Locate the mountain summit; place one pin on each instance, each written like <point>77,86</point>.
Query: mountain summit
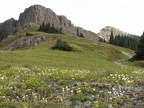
<point>106,32</point>
<point>35,15</point>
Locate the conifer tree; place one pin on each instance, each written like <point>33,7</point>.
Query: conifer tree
<point>111,41</point>
<point>140,49</point>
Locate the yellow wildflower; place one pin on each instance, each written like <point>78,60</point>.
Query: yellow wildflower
<point>73,78</point>
<point>78,90</point>
<point>86,84</point>
<point>1,87</point>
<point>96,103</point>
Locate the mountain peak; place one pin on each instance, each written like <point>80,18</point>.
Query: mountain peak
<point>35,15</point>
<point>106,32</point>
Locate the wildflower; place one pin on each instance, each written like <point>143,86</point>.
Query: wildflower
<point>96,103</point>
<point>78,90</point>
<point>71,91</point>
<point>35,96</point>
<point>63,89</point>
<point>85,83</point>
<point>109,92</point>
<point>67,89</point>
<point>1,87</point>
<point>73,78</point>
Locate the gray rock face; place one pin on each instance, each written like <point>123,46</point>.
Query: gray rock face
<point>7,28</point>
<point>26,41</point>
<point>35,15</point>
<point>106,32</point>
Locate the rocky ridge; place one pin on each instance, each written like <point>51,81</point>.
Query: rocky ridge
<point>26,41</point>
<point>106,32</point>
<point>7,28</point>
<point>35,15</point>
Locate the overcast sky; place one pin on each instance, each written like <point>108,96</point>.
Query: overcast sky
<point>127,15</point>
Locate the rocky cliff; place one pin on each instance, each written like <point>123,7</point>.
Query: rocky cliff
<point>7,28</point>
<point>35,15</point>
<point>106,32</point>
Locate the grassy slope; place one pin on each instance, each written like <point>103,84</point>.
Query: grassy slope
<point>91,55</point>
<point>38,82</point>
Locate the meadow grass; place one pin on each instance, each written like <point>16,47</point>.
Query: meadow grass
<point>28,75</point>
<point>88,54</point>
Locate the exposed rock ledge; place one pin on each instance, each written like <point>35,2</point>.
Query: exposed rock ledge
<point>26,41</point>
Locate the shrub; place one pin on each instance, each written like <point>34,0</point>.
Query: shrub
<point>79,97</point>
<point>62,45</point>
<point>29,34</point>
<point>64,82</point>
<point>5,67</point>
<point>139,63</point>
<point>5,103</point>
<point>92,91</point>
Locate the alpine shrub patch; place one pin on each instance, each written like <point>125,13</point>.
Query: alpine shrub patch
<point>62,45</point>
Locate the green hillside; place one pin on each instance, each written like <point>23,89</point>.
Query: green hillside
<point>38,76</point>
<point>87,54</point>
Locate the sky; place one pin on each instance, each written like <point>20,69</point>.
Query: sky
<point>93,15</point>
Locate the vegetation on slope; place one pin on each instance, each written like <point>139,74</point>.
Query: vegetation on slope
<point>130,42</point>
<point>87,53</point>
<point>38,76</point>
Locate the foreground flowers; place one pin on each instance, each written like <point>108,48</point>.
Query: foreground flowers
<point>46,86</point>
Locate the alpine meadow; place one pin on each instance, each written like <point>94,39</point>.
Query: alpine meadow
<point>47,62</point>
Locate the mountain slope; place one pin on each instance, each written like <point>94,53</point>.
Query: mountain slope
<point>88,53</point>
<point>106,32</point>
<point>35,15</point>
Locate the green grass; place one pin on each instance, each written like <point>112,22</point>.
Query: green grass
<point>88,54</point>
<point>43,56</point>
<point>27,74</point>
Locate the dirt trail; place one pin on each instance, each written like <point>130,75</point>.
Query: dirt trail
<point>119,62</point>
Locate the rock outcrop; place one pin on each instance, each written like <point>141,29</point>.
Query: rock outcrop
<point>7,28</point>
<point>106,32</point>
<point>35,15</point>
<point>26,41</point>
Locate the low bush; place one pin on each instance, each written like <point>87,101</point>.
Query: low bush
<point>29,34</point>
<point>139,63</point>
<point>62,45</point>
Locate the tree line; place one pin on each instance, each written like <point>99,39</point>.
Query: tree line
<point>130,42</point>
<point>47,27</point>
<point>140,49</point>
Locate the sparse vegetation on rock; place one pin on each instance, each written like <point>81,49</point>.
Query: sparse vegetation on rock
<point>36,15</point>
<point>49,29</point>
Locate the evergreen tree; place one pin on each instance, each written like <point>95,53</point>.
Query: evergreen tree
<point>124,41</point>
<point>111,41</point>
<point>78,31</point>
<point>43,25</point>
<point>49,28</point>
<point>140,49</point>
